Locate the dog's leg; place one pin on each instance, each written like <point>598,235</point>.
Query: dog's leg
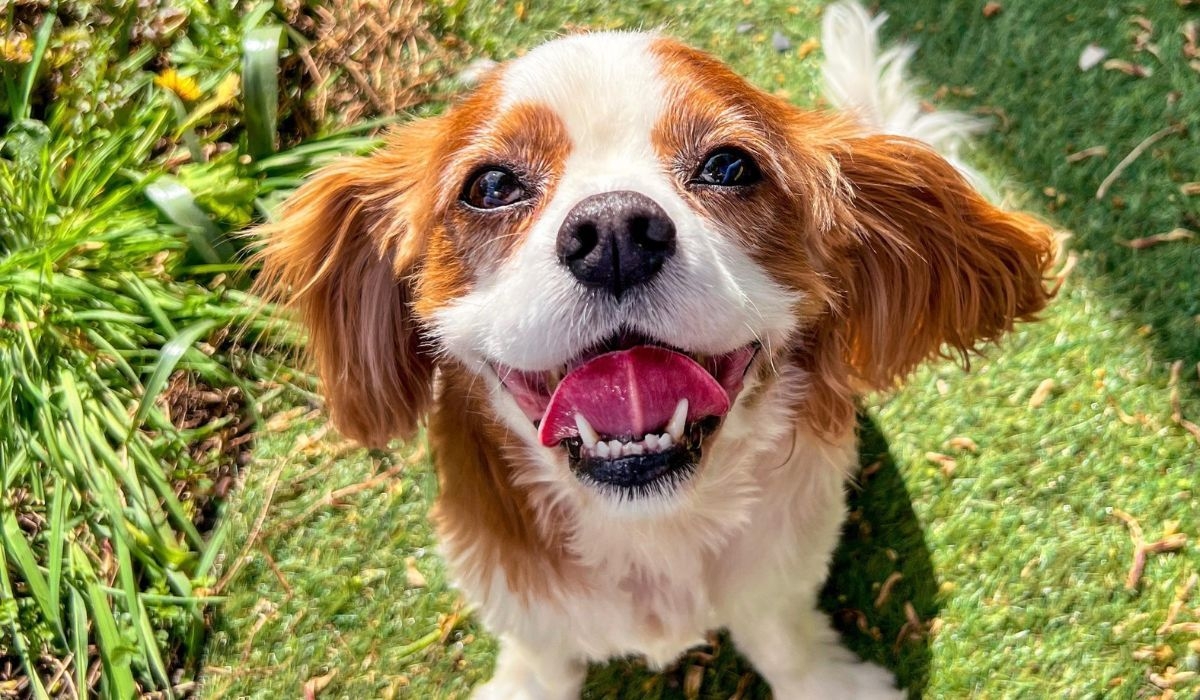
<point>523,673</point>
<point>800,656</point>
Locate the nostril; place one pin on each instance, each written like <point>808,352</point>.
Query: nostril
<point>651,233</point>
<point>581,242</point>
<point>615,241</point>
<point>639,226</point>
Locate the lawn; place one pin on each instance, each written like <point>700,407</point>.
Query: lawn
<point>1006,499</point>
<point>992,533</point>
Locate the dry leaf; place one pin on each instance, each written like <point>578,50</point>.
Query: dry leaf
<point>946,463</point>
<point>692,680</point>
<point>963,443</point>
<point>1189,189</point>
<point>1093,152</point>
<point>1135,69</point>
<point>413,576</point>
<point>1191,39</point>
<point>810,44</point>
<point>283,420</point>
<point>992,9</point>
<point>1179,234</point>
<point>1091,56</point>
<point>885,591</point>
<point>313,686</point>
<point>1041,393</point>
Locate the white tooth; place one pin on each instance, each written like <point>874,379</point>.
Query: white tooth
<point>601,450</point>
<point>614,447</point>
<point>586,432</point>
<point>665,441</point>
<point>678,421</point>
<point>635,448</point>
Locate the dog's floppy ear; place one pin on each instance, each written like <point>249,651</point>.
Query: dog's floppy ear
<point>927,265</point>
<point>343,255</point>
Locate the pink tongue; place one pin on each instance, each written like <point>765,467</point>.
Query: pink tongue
<point>629,393</point>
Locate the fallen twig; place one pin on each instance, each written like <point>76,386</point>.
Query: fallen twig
<point>1142,549</point>
<point>278,573</point>
<point>332,497</point>
<point>913,629</point>
<point>885,591</point>
<point>1093,152</point>
<point>1176,404</point>
<point>236,564</point>
<point>1179,234</point>
<point>1181,598</point>
<point>1137,151</point>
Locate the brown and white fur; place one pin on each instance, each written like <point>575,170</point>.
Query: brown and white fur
<point>856,256</point>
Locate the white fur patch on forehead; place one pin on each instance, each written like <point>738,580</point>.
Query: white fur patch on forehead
<point>605,86</point>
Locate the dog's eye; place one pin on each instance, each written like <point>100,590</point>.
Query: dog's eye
<point>492,189</point>
<point>728,167</point>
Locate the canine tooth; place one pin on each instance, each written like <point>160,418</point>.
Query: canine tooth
<point>601,450</point>
<point>678,421</point>
<point>586,432</point>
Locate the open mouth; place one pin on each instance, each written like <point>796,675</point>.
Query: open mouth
<point>631,413</point>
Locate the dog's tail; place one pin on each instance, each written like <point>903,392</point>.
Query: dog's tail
<point>873,84</point>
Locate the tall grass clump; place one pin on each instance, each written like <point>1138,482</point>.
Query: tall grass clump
<point>103,561</point>
<point>121,301</point>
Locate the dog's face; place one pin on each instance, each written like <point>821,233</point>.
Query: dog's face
<point>625,242</point>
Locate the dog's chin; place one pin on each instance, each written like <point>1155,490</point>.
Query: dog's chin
<point>632,415</point>
<point>647,473</point>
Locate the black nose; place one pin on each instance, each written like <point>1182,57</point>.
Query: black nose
<point>615,241</point>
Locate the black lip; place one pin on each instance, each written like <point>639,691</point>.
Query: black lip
<point>638,475</point>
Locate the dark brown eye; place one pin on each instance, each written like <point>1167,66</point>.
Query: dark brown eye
<point>493,189</point>
<point>728,167</point>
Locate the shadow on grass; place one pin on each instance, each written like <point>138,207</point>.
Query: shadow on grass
<point>1020,68</point>
<point>881,537</point>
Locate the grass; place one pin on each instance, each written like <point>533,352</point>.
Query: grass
<point>124,395</point>
<point>1013,559</point>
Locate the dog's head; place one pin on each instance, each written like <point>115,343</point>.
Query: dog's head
<point>626,242</point>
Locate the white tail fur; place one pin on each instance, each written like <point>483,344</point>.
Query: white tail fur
<point>874,85</point>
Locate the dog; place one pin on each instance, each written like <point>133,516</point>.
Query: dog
<point>634,299</point>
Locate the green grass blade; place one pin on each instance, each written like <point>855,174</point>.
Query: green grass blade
<point>18,639</point>
<point>213,548</point>
<point>186,131</point>
<point>21,555</point>
<point>79,636</point>
<point>115,652</point>
<point>168,358</point>
<point>178,204</point>
<point>56,538</point>
<point>260,87</point>
<point>39,51</point>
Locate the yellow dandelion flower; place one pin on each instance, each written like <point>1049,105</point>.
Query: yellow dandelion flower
<point>16,48</point>
<point>183,86</point>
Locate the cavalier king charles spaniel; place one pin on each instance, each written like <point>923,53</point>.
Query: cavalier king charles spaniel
<point>633,298</point>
